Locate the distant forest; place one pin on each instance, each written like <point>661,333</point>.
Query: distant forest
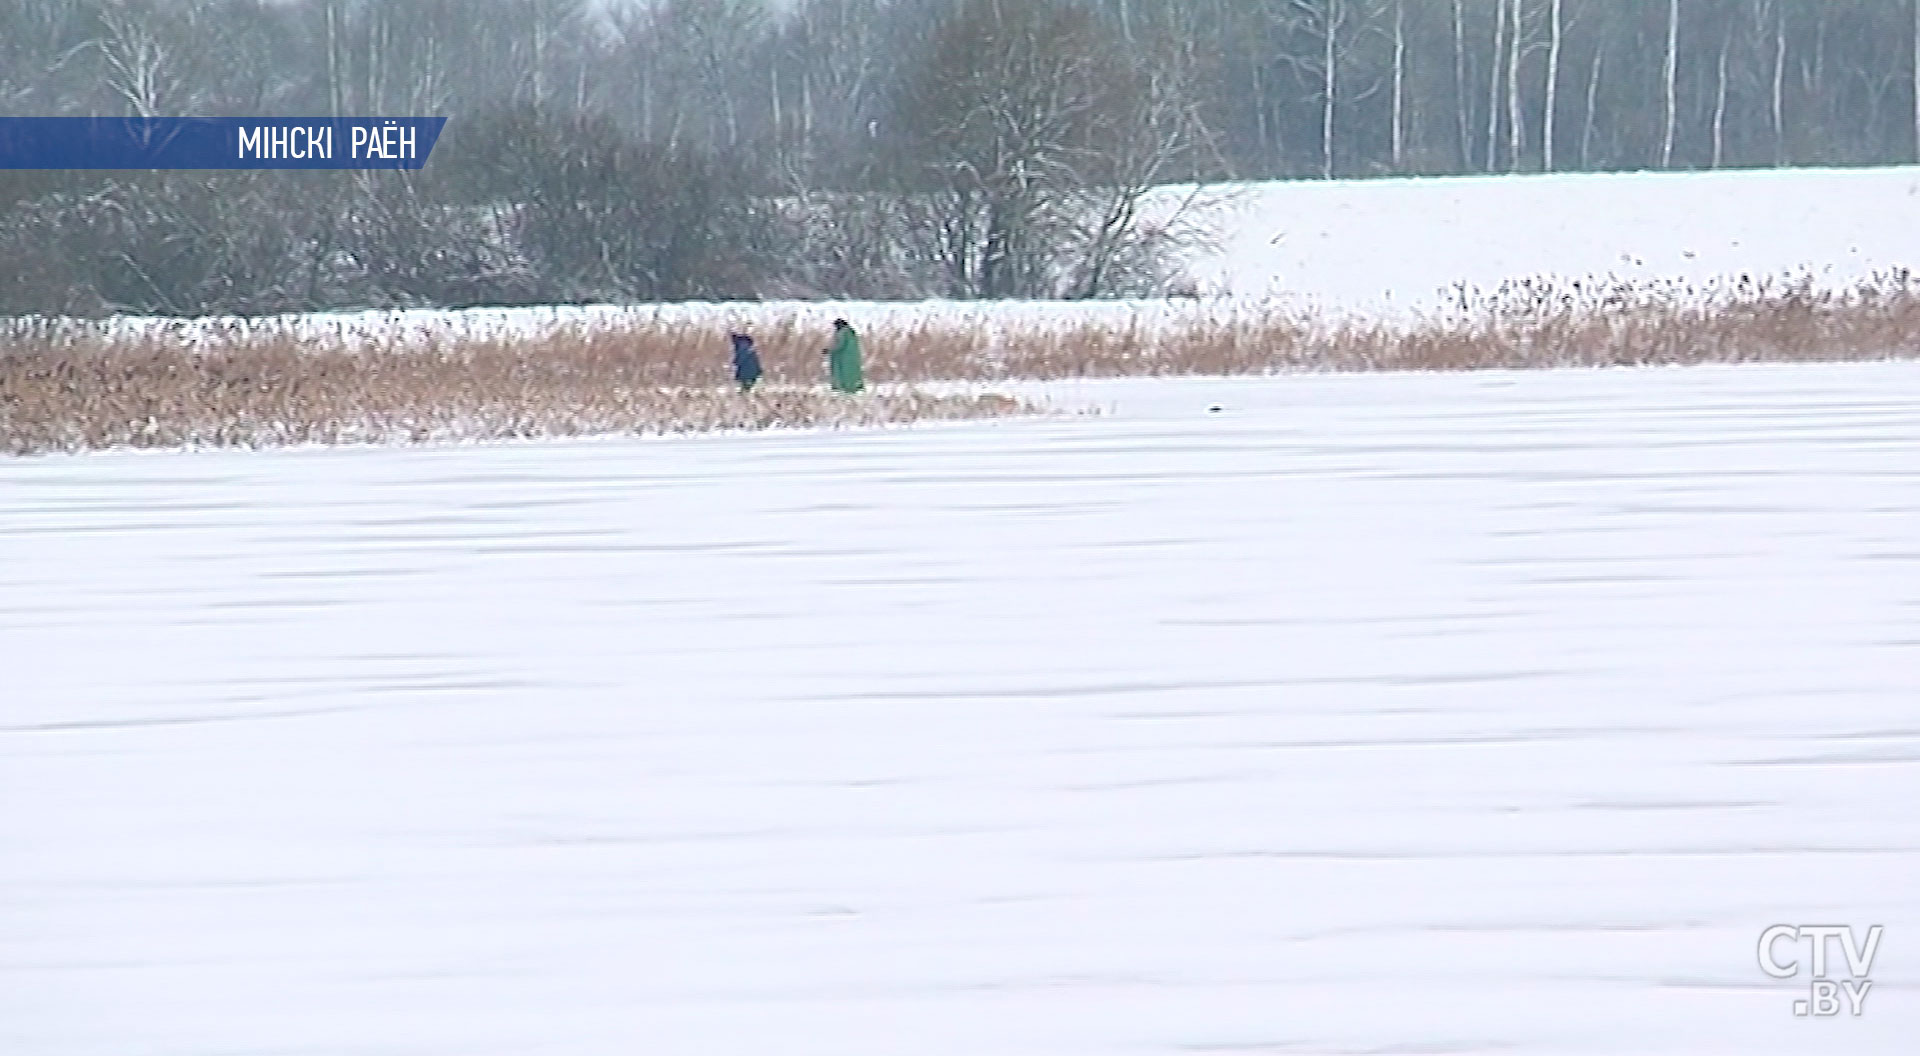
<point>619,150</point>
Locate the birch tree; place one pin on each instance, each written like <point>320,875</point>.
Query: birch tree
<point>1493,84</point>
<point>1325,22</point>
<point>1399,85</point>
<point>1720,99</point>
<point>1778,97</point>
<point>1517,41</point>
<point>1670,70</point>
<point>1550,111</point>
<point>1462,110</point>
<point>1589,122</point>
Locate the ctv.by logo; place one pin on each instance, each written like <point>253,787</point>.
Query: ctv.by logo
<point>1824,997</point>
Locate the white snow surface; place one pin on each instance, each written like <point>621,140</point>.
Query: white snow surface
<point>1380,245</point>
<point>1459,713</point>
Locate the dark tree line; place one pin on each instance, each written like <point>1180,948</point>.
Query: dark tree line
<point>671,149</point>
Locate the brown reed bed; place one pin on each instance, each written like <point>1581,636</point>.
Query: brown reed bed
<point>1521,325</point>
<point>76,396</point>
<point>69,385</point>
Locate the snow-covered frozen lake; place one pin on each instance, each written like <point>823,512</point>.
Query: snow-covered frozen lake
<point>1436,714</point>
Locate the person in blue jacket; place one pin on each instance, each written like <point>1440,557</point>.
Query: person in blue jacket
<point>746,361</point>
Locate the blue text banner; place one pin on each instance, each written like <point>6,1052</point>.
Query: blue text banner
<point>217,142</point>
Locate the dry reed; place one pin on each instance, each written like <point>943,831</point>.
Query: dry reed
<point>149,392</point>
<point>69,385</point>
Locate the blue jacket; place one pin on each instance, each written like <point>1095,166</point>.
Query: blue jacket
<point>746,360</point>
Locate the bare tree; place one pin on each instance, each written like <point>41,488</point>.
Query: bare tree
<point>1152,133</point>
<point>1463,111</point>
<point>1594,71</point>
<point>1334,27</point>
<point>42,42</point>
<point>1550,112</point>
<point>1035,136</point>
<point>1493,85</point>
<point>1669,78</point>
<point>1517,41</point>
<point>1399,85</point>
<point>145,64</point>
<point>1779,95</point>
<point>1720,100</point>
<point>1003,115</point>
<point>836,52</point>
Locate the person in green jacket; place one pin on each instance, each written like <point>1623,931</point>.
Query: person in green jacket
<point>843,358</point>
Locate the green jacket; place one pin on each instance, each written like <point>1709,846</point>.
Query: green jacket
<point>843,361</point>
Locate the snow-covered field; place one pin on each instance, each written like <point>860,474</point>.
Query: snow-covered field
<point>1379,245</point>
<point>1395,714</point>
